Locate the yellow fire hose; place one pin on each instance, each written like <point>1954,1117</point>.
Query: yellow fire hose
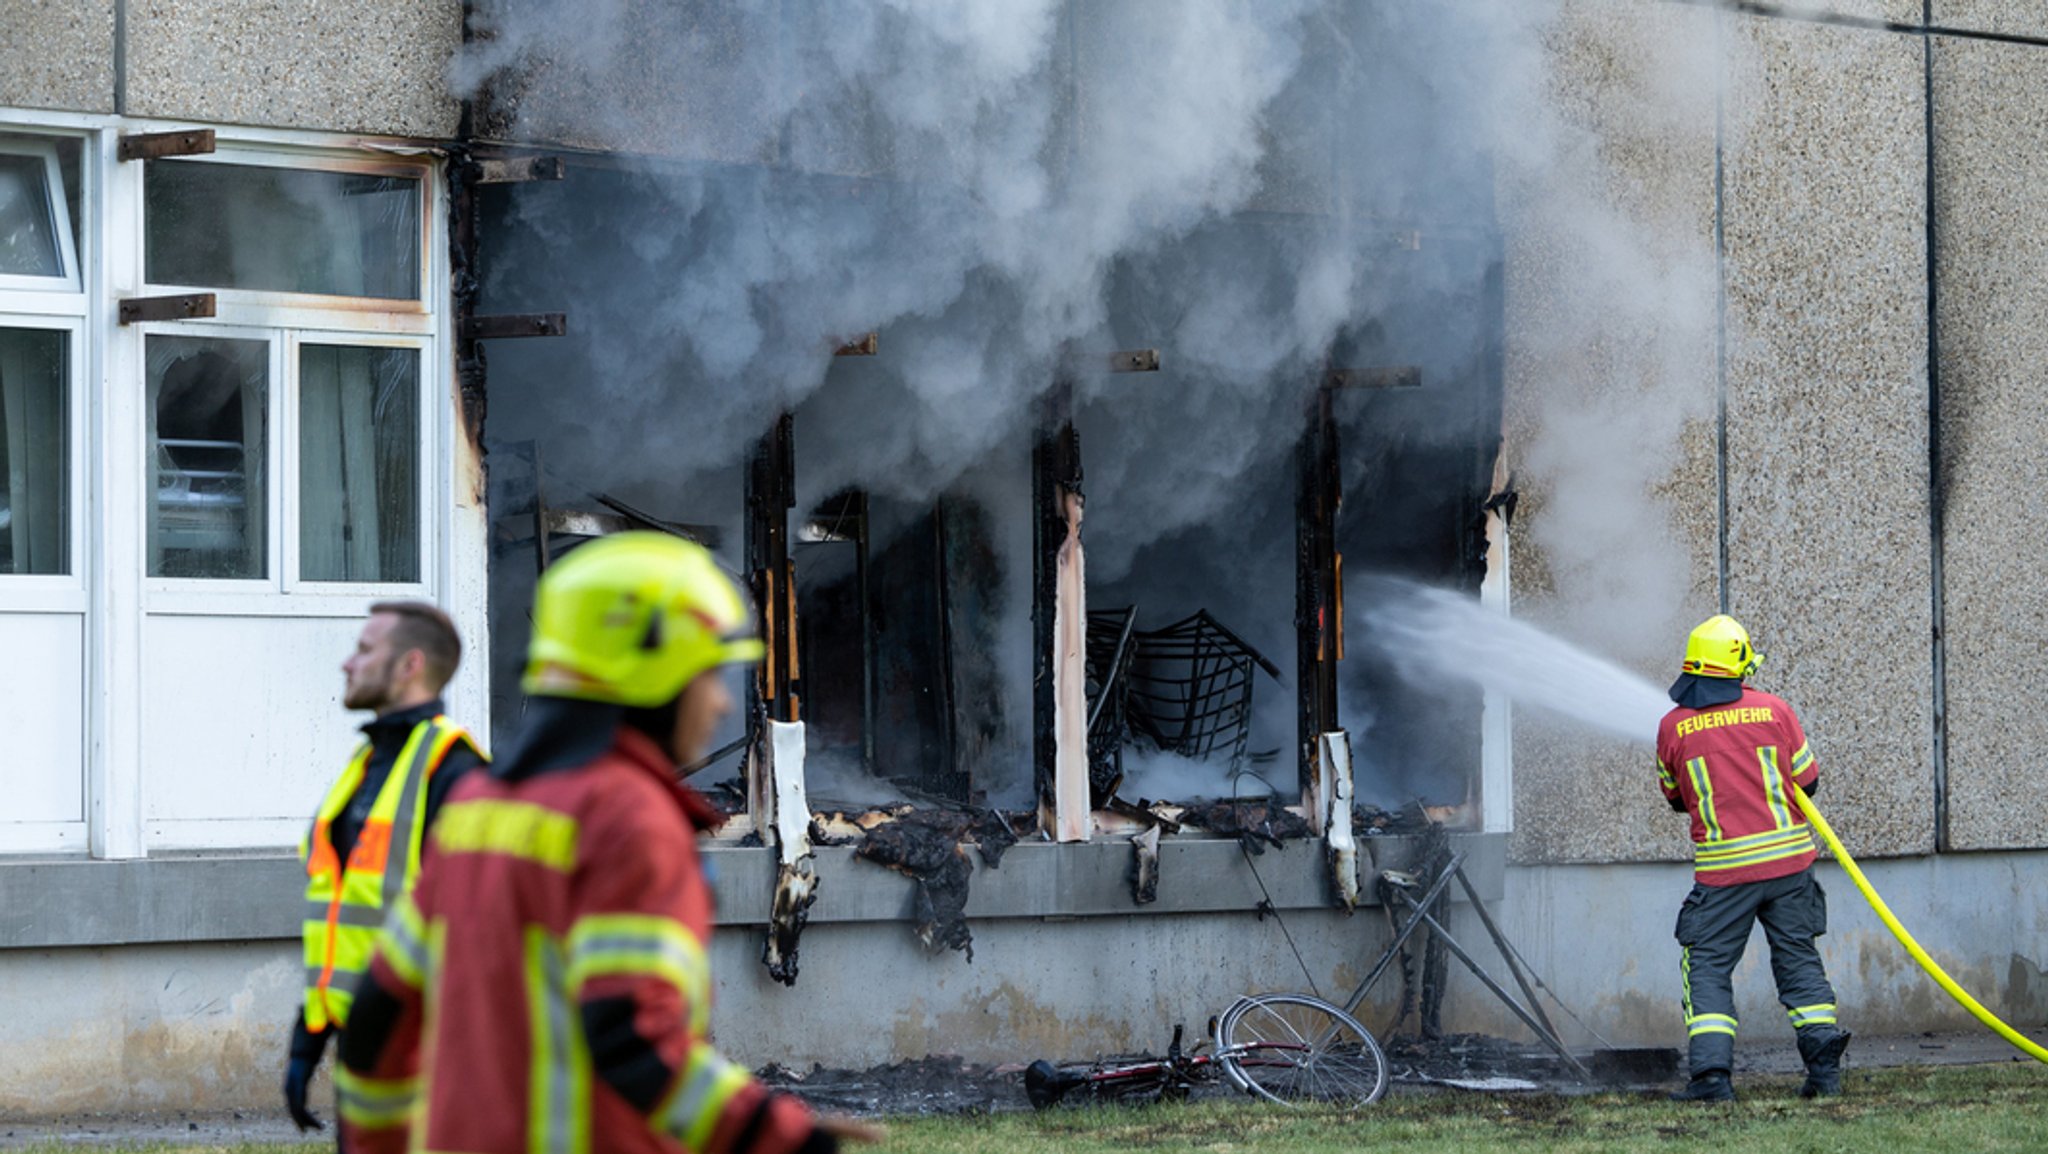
<point>1933,968</point>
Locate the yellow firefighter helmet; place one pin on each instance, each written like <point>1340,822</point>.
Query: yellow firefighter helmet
<point>1719,647</point>
<point>632,618</point>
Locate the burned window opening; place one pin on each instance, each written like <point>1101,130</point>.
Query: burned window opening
<point>1408,459</point>
<point>910,678</point>
<point>841,625</point>
<point>835,630</point>
<point>1182,717</point>
<point>542,511</point>
<point>551,529</point>
<point>1184,690</point>
<point>875,628</point>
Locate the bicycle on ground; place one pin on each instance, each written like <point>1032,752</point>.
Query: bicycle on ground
<point>1285,1048</point>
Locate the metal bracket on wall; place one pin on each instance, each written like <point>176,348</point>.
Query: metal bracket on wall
<point>1085,364</point>
<point>137,310</point>
<point>514,325</point>
<point>517,169</point>
<point>156,145</point>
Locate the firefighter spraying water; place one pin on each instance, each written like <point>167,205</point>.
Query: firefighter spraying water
<point>1732,757</point>
<point>1454,638</point>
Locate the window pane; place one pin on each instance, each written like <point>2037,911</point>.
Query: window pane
<point>35,452</point>
<point>239,226</point>
<point>208,400</point>
<point>28,224</point>
<point>359,493</point>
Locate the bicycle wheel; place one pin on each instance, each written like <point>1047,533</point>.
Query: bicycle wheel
<point>1291,1048</point>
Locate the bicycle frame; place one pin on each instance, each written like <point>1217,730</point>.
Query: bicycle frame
<point>1169,1077</point>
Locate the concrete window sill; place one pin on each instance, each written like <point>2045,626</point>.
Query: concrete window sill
<point>50,903</point>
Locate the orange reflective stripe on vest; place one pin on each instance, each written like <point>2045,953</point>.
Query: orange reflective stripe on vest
<point>346,904</point>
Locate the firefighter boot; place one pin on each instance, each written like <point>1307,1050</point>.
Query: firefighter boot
<point>1822,1048</point>
<point>1707,1086</point>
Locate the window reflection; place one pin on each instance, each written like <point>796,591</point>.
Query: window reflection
<point>29,244</point>
<point>208,405</point>
<point>359,501</point>
<point>239,226</point>
<point>35,450</point>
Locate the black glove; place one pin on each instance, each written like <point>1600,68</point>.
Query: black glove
<point>298,1072</point>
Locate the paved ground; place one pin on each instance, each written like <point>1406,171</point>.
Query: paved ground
<point>943,1085</point>
<point>1912,1050</point>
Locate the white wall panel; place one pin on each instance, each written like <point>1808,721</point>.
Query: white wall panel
<point>243,727</point>
<point>42,714</point>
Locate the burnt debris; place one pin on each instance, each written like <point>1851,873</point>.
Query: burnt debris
<point>1425,963</point>
<point>1145,867</point>
<point>796,889</point>
<point>929,846</point>
<point>1255,824</point>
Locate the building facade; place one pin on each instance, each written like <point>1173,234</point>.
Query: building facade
<point>251,257</point>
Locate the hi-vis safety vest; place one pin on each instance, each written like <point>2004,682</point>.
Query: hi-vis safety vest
<point>346,904</point>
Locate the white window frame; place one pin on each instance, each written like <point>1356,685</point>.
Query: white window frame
<point>290,320</point>
<point>62,304</point>
<point>313,310</point>
<point>59,595</point>
<point>110,459</point>
<point>71,281</point>
<point>58,592</point>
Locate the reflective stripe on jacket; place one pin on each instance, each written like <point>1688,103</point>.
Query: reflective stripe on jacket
<point>346,902</point>
<point>549,904</point>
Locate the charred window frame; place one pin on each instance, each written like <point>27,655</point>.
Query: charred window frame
<point>860,602</point>
<point>1472,530</point>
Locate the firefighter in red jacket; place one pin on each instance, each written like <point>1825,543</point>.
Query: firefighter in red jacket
<point>550,969</point>
<point>1729,756</point>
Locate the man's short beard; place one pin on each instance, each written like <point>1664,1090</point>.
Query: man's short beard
<point>378,693</point>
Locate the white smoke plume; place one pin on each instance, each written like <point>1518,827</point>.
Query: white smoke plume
<point>1007,189</point>
<point>1019,165</point>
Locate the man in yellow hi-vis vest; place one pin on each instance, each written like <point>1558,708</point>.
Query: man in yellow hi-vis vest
<point>364,848</point>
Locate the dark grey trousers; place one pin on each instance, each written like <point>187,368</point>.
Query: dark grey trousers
<point>1713,929</point>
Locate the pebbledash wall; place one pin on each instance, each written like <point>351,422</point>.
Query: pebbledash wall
<point>1865,181</point>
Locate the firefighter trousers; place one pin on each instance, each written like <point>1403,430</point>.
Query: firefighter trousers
<point>1713,931</point>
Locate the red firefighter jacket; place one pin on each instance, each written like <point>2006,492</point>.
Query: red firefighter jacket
<point>1728,765</point>
<point>557,939</point>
